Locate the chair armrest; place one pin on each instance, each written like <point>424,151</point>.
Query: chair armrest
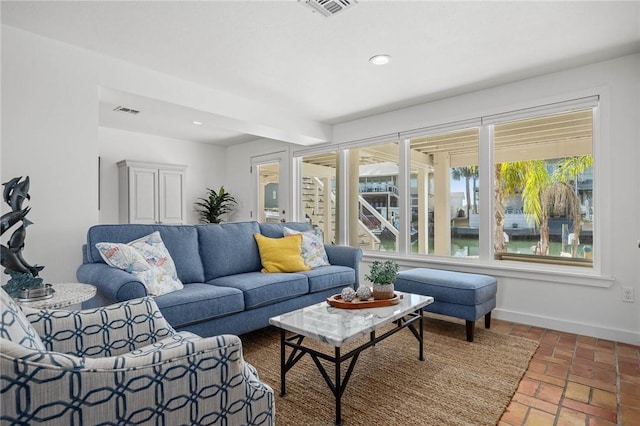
<point>345,256</point>
<point>113,284</point>
<point>197,381</point>
<point>105,331</point>
<point>177,347</point>
<point>12,352</point>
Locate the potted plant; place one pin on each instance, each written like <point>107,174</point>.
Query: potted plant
<point>382,275</point>
<point>211,209</point>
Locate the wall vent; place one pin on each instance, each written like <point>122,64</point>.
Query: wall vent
<point>329,7</point>
<point>127,110</point>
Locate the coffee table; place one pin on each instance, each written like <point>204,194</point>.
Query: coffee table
<point>337,327</point>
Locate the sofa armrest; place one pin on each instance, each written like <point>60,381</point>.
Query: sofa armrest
<point>113,284</point>
<point>103,332</point>
<point>345,256</point>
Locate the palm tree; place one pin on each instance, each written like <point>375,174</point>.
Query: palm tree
<point>467,173</point>
<point>527,177</point>
<point>560,199</point>
<point>543,194</point>
<point>498,238</point>
<point>569,168</point>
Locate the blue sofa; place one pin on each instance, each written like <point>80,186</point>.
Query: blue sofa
<point>219,264</point>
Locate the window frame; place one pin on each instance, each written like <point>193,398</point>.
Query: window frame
<point>599,267</point>
<point>406,137</point>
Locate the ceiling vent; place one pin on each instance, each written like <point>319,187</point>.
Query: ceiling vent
<point>127,110</point>
<point>329,7</point>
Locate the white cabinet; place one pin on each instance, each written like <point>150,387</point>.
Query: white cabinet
<point>151,193</point>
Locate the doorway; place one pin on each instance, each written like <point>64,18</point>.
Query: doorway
<point>270,187</point>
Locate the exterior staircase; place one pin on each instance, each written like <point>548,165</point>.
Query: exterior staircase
<point>317,203</point>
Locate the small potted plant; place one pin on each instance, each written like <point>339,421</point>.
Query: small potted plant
<point>382,275</point>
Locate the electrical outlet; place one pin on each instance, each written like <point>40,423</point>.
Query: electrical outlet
<point>627,294</point>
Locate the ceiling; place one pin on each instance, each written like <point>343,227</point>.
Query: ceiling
<point>286,57</point>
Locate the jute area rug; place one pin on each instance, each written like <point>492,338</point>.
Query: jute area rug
<point>459,383</point>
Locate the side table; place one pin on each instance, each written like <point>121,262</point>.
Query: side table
<point>66,294</point>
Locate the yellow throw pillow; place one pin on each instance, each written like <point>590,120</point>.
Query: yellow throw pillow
<point>281,254</point>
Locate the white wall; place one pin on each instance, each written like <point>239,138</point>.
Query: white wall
<point>206,166</point>
<point>50,95</point>
<point>49,132</point>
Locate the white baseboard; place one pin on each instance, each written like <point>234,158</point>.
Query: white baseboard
<point>617,335</point>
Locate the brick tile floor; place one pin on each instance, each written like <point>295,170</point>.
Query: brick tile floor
<point>574,380</point>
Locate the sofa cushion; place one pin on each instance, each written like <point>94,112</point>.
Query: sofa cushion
<point>181,242</point>
<point>281,254</point>
<point>198,302</point>
<point>332,276</point>
<point>264,289</point>
<point>228,249</point>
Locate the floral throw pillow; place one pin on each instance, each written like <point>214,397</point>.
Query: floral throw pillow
<point>123,257</point>
<point>313,251</point>
<point>155,253</point>
<point>148,259</point>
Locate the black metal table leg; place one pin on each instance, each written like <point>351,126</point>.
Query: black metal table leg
<point>338,386</point>
<point>283,367</point>
<point>421,336</point>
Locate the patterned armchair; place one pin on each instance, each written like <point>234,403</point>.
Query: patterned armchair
<point>122,365</point>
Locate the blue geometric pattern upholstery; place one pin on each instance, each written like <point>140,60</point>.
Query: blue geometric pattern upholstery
<point>101,332</point>
<point>123,365</point>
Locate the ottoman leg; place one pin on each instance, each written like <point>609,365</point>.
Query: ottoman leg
<point>470,328</point>
<point>487,320</point>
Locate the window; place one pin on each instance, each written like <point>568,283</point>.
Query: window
<point>444,188</point>
<point>374,209</point>
<point>419,192</point>
<point>544,188</point>
<point>318,193</point>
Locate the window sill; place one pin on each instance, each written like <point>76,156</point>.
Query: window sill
<point>546,260</point>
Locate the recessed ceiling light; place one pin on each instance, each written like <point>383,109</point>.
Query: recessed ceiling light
<point>197,123</point>
<point>380,59</point>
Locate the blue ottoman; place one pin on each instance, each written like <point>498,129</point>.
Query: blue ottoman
<point>456,294</point>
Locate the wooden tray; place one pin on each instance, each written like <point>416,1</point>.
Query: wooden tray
<point>337,302</point>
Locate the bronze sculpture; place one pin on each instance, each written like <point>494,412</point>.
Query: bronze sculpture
<point>24,277</point>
